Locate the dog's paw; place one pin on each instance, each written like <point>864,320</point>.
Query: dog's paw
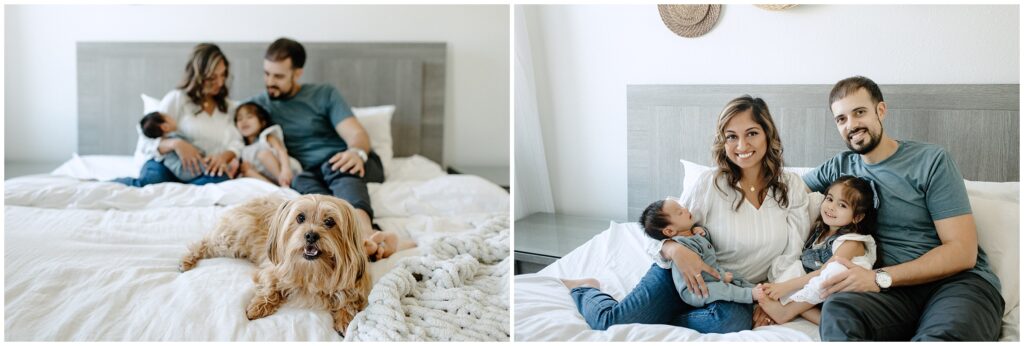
<point>341,334</point>
<point>257,311</point>
<point>187,264</point>
<point>341,321</point>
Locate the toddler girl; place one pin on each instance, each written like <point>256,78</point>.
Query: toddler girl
<point>844,228</point>
<point>264,156</point>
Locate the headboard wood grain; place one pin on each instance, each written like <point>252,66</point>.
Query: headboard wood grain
<point>977,124</point>
<point>111,75</point>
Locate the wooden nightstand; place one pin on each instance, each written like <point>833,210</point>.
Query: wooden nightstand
<point>543,238</point>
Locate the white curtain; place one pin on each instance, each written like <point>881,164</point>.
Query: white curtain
<point>532,186</point>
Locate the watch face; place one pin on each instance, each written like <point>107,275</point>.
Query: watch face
<point>883,279</point>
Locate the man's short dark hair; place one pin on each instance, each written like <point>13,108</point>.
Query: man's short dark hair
<point>851,85</point>
<point>151,125</point>
<point>285,48</point>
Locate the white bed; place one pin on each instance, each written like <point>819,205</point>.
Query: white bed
<point>616,258</point>
<point>87,260</point>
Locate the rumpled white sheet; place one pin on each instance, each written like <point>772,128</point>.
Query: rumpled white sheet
<point>544,310</point>
<point>616,257</point>
<point>89,261</point>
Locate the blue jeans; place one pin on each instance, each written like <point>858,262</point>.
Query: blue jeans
<point>655,301</point>
<point>349,187</point>
<point>154,172</point>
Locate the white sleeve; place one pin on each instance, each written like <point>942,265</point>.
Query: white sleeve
<point>233,139</point>
<point>272,130</point>
<point>654,250</point>
<point>787,265</point>
<point>868,260</point>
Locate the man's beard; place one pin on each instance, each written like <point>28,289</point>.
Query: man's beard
<point>281,93</point>
<point>870,143</point>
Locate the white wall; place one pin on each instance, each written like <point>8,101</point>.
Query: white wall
<point>584,57</point>
<point>39,62</point>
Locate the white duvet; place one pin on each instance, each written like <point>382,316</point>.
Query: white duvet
<point>616,257</point>
<point>88,260</point>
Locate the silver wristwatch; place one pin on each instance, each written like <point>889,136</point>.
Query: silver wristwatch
<point>360,152</point>
<point>883,279</point>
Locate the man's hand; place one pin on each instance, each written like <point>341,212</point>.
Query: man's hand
<point>855,279</point>
<point>347,161</point>
<point>691,266</point>
<point>189,156</point>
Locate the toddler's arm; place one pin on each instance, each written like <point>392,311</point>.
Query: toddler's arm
<point>285,177</point>
<point>849,249</point>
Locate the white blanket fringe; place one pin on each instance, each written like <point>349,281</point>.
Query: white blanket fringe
<point>462,293</point>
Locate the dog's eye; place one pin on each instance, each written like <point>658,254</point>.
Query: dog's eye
<point>329,223</point>
<point>301,218</point>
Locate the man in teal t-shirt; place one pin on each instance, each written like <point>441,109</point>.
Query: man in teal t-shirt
<point>934,282</point>
<point>322,133</point>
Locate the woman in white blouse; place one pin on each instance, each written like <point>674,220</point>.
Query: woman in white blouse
<point>203,111</point>
<point>755,215</point>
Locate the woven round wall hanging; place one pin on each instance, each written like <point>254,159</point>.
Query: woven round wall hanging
<point>775,7</point>
<point>689,20</point>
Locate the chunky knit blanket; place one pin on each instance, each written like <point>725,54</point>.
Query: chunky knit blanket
<point>457,291</point>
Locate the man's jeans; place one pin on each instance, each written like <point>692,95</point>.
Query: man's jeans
<point>961,307</point>
<point>655,301</point>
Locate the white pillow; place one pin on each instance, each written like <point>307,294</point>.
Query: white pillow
<point>691,172</point>
<point>998,225</point>
<point>1009,191</point>
<point>149,104</point>
<point>377,122</point>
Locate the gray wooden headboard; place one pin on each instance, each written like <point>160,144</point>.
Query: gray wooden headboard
<point>111,75</point>
<point>977,124</point>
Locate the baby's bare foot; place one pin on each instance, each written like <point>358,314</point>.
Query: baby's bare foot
<point>588,282</point>
<point>385,244</point>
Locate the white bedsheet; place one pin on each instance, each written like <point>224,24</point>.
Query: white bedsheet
<point>616,258</point>
<point>98,261</point>
<point>544,311</point>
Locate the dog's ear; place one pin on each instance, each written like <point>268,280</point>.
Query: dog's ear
<point>352,261</point>
<point>278,224</point>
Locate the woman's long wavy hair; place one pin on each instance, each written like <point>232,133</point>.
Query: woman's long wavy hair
<point>202,65</point>
<point>771,165</point>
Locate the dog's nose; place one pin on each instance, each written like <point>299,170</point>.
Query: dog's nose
<point>312,237</point>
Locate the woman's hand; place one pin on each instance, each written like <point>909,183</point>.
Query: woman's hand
<point>690,265</point>
<point>189,156</point>
<point>217,165</point>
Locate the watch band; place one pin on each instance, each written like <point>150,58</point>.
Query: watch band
<point>362,153</point>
